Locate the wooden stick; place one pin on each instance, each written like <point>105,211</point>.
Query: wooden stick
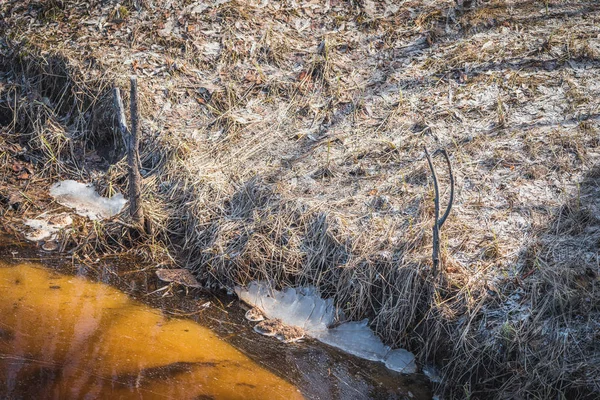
<point>135,178</point>
<point>437,225</point>
<point>131,141</point>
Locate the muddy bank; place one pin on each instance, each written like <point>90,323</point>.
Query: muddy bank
<point>156,360</point>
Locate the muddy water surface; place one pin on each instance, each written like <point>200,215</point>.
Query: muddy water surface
<point>65,333</point>
<point>66,337</point>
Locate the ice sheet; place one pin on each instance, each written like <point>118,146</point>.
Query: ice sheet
<point>300,307</point>
<point>86,202</point>
<point>304,308</point>
<point>356,338</point>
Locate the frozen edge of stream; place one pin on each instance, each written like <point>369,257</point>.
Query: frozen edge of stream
<point>304,308</point>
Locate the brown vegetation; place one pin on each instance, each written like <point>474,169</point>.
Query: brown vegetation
<point>283,140</point>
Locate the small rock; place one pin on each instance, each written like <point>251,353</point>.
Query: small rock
<point>51,245</point>
<point>181,276</point>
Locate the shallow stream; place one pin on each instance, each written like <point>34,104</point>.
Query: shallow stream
<point>89,330</point>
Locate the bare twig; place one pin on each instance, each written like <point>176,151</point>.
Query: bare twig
<point>439,221</point>
<point>135,179</point>
<point>451,200</point>
<point>131,139</point>
<point>436,232</point>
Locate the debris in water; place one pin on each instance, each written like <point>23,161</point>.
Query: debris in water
<point>303,308</point>
<point>285,333</point>
<point>290,334</point>
<point>51,245</point>
<point>45,227</point>
<point>268,327</point>
<point>254,315</point>
<point>181,276</point>
<point>86,202</point>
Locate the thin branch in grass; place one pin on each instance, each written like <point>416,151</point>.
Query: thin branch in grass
<point>131,139</point>
<point>437,225</point>
<point>451,200</point>
<point>135,178</point>
<point>436,234</point>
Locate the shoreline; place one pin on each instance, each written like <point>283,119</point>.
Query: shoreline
<point>293,153</point>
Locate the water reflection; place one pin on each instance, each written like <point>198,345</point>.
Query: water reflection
<point>65,337</point>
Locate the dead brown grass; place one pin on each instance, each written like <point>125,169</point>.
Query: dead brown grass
<point>274,149</point>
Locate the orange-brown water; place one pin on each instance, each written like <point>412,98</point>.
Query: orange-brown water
<point>64,337</point>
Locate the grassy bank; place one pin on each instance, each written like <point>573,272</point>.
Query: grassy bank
<point>284,141</point>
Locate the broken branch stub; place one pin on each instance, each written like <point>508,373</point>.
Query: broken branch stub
<point>131,139</point>
<point>437,225</point>
<point>135,178</point>
<point>121,120</point>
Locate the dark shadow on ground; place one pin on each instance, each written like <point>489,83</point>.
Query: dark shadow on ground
<point>542,337</point>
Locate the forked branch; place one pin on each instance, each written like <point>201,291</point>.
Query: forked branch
<point>439,222</point>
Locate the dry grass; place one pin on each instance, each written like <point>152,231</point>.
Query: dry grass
<point>284,142</point>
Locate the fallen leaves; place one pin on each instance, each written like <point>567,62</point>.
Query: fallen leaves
<point>21,171</point>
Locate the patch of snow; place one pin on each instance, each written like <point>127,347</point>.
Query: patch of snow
<point>86,202</point>
<point>45,227</point>
<point>304,308</point>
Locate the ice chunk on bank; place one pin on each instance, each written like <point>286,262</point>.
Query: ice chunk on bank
<point>300,307</point>
<point>433,373</point>
<point>355,338</point>
<point>45,227</point>
<point>401,360</point>
<point>86,202</point>
<point>304,308</point>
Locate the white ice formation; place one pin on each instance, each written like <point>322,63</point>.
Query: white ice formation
<point>433,373</point>
<point>86,202</point>
<point>304,308</point>
<point>45,226</point>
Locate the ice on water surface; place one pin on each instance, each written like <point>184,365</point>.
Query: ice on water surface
<point>401,360</point>
<point>304,308</point>
<point>300,307</point>
<point>356,338</point>
<point>86,201</point>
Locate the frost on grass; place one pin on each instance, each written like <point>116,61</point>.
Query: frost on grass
<point>86,202</point>
<point>304,308</point>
